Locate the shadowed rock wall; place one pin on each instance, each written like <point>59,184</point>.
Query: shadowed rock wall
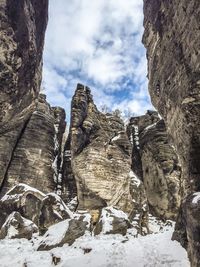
<point>158,166</point>
<point>173,50</point>
<point>22,30</point>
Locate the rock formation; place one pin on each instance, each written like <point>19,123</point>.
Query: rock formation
<point>115,178</point>
<point>30,130</point>
<point>65,232</point>
<point>112,221</point>
<point>43,209</point>
<point>16,226</point>
<point>36,152</point>
<point>22,30</point>
<point>172,40</point>
<point>158,166</point>
<point>101,152</point>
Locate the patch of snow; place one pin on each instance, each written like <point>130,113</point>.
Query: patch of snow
<point>116,138</point>
<point>73,203</point>
<point>12,232</point>
<point>25,188</point>
<point>196,198</point>
<point>155,250</point>
<point>56,233</point>
<point>117,213</point>
<point>150,126</point>
<point>106,221</point>
<point>135,136</point>
<point>134,179</point>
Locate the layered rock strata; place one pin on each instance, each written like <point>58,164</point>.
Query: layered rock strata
<point>172,40</point>
<point>101,156</point>
<point>22,30</point>
<point>36,159</point>
<point>159,166</point>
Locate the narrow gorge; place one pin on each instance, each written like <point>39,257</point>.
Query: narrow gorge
<point>96,176</point>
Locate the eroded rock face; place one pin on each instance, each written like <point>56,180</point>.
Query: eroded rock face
<point>32,160</point>
<point>101,160</point>
<point>172,40</point>
<point>187,227</point>
<point>22,30</point>
<point>59,136</point>
<point>134,128</point>
<point>159,166</point>
<point>140,213</point>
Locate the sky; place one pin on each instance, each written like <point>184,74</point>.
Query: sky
<point>96,43</point>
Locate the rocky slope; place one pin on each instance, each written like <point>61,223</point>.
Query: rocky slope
<point>172,40</point>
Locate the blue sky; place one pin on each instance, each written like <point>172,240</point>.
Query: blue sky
<point>97,43</point>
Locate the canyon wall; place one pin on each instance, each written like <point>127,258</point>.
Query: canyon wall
<point>173,51</point>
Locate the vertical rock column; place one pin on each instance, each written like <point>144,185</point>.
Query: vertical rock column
<point>101,160</point>
<point>22,30</point>
<point>33,158</point>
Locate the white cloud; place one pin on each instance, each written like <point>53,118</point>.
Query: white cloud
<point>97,43</point>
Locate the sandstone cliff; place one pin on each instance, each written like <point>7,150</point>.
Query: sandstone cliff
<point>22,30</point>
<point>172,40</point>
<point>36,158</point>
<point>100,155</point>
<point>158,166</point>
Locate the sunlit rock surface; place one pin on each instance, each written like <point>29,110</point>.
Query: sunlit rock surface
<point>101,156</point>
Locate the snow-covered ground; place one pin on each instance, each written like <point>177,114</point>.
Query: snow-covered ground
<point>153,250</point>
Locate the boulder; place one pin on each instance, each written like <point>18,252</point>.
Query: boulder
<point>112,221</point>
<point>65,232</point>
<point>53,210</point>
<point>43,210</point>
<point>17,226</point>
<point>24,199</point>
